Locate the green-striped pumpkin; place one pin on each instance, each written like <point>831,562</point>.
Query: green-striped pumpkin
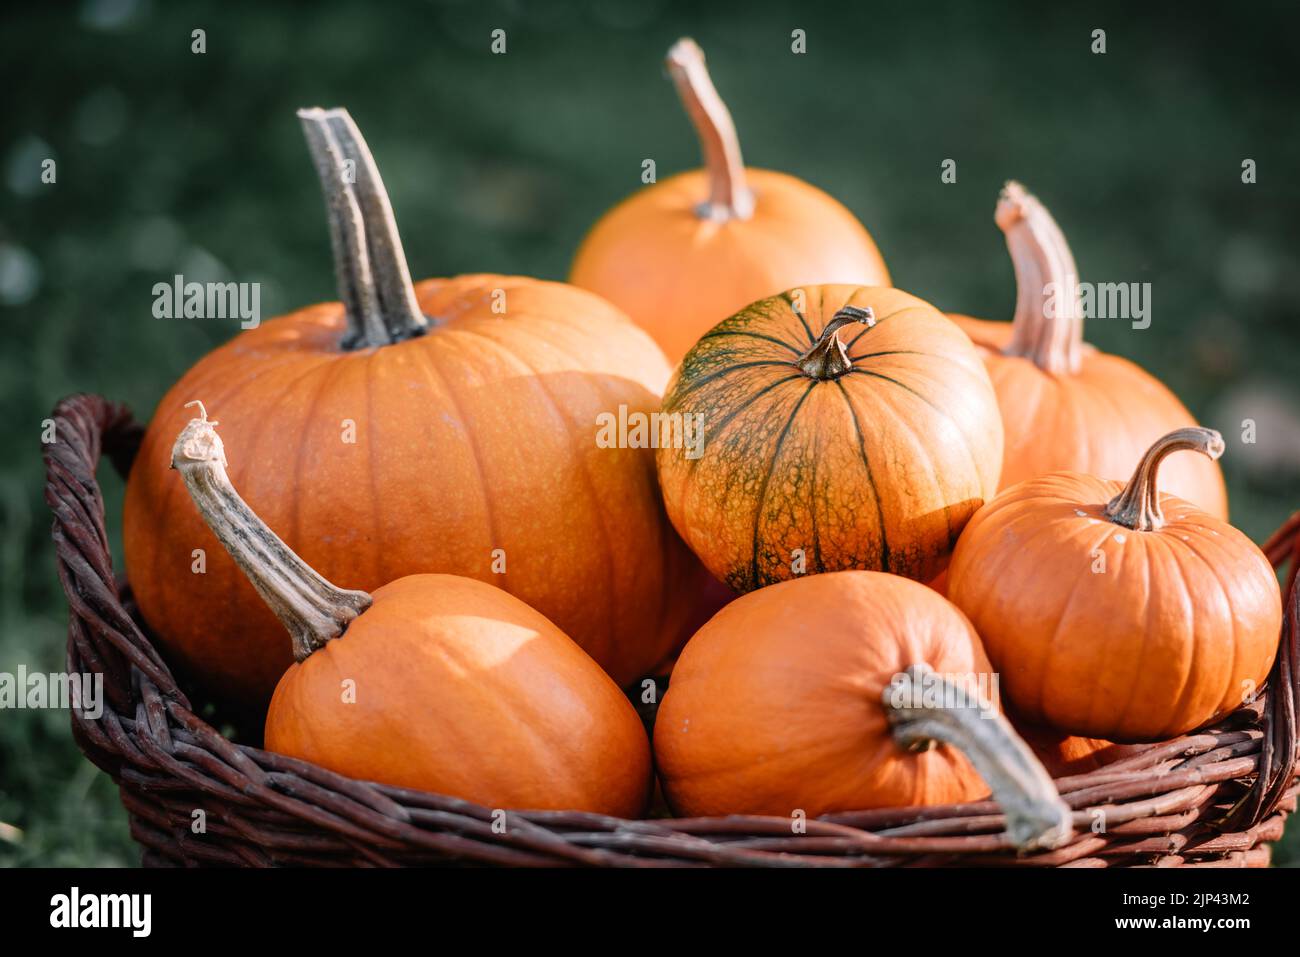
<point>843,427</point>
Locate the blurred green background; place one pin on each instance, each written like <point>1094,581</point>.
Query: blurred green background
<point>174,162</point>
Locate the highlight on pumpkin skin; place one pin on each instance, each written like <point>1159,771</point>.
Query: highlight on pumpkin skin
<point>729,196</point>
<point>1067,406</point>
<point>1114,611</point>
<point>425,683</point>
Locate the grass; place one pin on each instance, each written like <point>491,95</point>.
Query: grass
<point>170,161</point>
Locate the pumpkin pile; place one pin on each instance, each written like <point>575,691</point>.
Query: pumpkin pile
<point>437,427</point>
<point>422,492</point>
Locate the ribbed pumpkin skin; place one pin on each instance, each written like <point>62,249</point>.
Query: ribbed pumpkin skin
<point>480,435</point>
<point>878,469</point>
<point>775,704</point>
<point>1178,628</point>
<point>462,689</point>
<point>678,274</point>
<point>1097,421</point>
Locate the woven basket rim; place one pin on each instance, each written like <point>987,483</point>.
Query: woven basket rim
<point>1197,800</point>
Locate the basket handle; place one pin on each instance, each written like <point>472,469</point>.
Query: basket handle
<point>103,638</point>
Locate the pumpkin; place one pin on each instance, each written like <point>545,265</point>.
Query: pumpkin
<point>435,682</point>
<point>1065,755</point>
<point>818,695</point>
<point>1065,405</point>
<point>447,427</point>
<point>710,597</point>
<point>1115,611</point>
<point>940,583</point>
<point>681,255</point>
<point>839,427</point>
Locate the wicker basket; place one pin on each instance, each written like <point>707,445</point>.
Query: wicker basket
<point>1212,799</point>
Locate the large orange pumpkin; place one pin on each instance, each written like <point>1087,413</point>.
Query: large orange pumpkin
<point>434,682</point>
<point>799,697</point>
<point>682,255</point>
<point>1065,405</point>
<point>450,427</point>
<point>842,427</point>
<point>1113,611</point>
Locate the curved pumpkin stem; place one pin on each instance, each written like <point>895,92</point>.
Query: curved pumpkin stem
<point>1138,506</point>
<point>1048,325</point>
<point>729,197</point>
<point>1036,815</point>
<point>828,358</point>
<point>313,610</point>
<point>369,264</point>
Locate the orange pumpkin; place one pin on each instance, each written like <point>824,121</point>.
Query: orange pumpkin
<point>940,583</point>
<point>446,427</point>
<point>706,601</point>
<point>1065,405</point>
<point>1065,755</point>
<point>1113,611</point>
<point>842,427</point>
<point>804,697</point>
<point>682,255</point>
<point>434,682</point>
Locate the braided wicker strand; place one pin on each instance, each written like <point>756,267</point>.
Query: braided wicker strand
<point>1212,798</point>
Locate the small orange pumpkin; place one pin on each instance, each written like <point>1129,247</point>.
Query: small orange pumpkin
<point>813,695</point>
<point>1065,405</point>
<point>1065,755</point>
<point>447,427</point>
<point>820,454</point>
<point>434,682</point>
<point>1113,611</point>
<point>682,255</point>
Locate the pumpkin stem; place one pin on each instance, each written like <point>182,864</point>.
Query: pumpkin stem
<point>924,707</point>
<point>313,610</point>
<point>373,279</point>
<point>1138,506</point>
<point>1048,325</point>
<point>828,358</point>
<point>729,197</point>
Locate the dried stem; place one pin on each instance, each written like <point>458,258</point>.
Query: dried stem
<point>1036,815</point>
<point>729,197</point>
<point>369,264</point>
<point>1138,506</point>
<point>1048,325</point>
<point>313,610</point>
<point>828,358</point>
